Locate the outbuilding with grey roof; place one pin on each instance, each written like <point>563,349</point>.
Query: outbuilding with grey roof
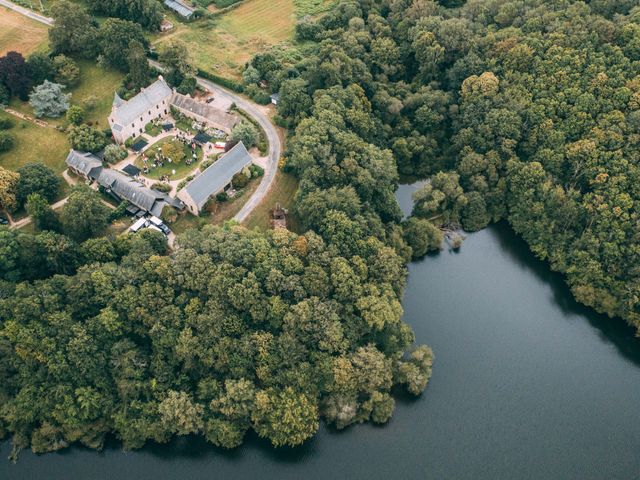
<point>215,178</point>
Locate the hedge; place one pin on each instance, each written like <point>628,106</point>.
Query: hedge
<point>225,82</point>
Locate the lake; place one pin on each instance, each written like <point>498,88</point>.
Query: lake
<point>526,384</point>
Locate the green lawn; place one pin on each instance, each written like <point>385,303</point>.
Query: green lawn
<point>35,144</point>
<point>152,129</point>
<point>282,192</point>
<point>186,221</point>
<point>184,124</point>
<point>181,169</point>
<point>47,144</point>
<point>21,34</point>
<point>96,83</point>
<point>100,83</point>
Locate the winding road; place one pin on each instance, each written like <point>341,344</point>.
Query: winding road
<point>275,146</point>
<point>252,109</point>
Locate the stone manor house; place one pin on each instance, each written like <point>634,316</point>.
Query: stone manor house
<point>129,117</point>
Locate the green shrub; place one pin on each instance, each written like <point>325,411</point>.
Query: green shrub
<point>222,197</point>
<point>6,123</point>
<point>239,180</point>
<point>75,114</point>
<point>256,171</point>
<point>225,82</point>
<point>169,214</point>
<point>7,141</point>
<point>161,187</point>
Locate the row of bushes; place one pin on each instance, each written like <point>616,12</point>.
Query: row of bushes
<point>183,182</point>
<point>225,82</point>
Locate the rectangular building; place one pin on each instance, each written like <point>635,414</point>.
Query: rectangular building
<point>129,117</point>
<point>215,178</point>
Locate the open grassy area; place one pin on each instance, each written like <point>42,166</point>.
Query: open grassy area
<point>35,144</point>
<point>282,192</point>
<point>224,44</point>
<point>187,221</point>
<point>100,83</point>
<point>312,7</point>
<point>21,34</point>
<point>96,84</point>
<point>223,211</point>
<point>48,145</point>
<point>181,168</point>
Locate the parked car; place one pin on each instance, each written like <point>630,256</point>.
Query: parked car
<point>4,221</point>
<point>155,221</point>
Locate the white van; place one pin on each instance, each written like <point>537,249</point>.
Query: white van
<point>141,223</point>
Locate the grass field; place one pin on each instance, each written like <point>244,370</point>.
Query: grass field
<point>48,145</point>
<point>224,44</point>
<point>100,83</point>
<point>35,144</point>
<point>94,82</point>
<point>20,34</point>
<point>282,192</point>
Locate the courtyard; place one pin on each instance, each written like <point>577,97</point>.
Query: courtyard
<point>170,158</point>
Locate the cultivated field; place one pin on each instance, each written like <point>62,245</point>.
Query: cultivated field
<point>20,34</point>
<point>224,44</point>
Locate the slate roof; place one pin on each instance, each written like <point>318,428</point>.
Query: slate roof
<point>117,101</point>
<point>218,175</point>
<point>129,189</point>
<point>179,7</point>
<point>126,112</point>
<point>213,114</point>
<point>131,170</point>
<point>83,162</point>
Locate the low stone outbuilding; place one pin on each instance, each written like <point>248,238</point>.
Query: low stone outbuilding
<point>204,112</point>
<point>122,188</point>
<point>180,8</point>
<point>84,164</point>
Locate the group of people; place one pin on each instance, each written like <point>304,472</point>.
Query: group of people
<point>158,158</point>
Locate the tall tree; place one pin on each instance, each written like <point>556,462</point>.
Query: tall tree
<point>37,178</point>
<point>139,71</point>
<point>41,67</point>
<point>8,188</point>
<point>41,213</point>
<point>84,215</point>
<point>73,32</point>
<point>14,75</point>
<point>49,100</point>
<point>114,37</point>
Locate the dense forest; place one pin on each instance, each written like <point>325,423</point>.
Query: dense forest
<point>522,110</point>
<point>527,111</point>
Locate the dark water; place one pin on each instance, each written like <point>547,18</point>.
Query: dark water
<point>526,384</point>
